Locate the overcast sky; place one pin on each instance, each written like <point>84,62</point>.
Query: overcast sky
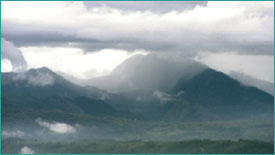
<point>88,39</point>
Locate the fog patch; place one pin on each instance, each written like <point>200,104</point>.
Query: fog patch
<point>104,96</point>
<point>162,96</point>
<point>39,79</point>
<point>12,134</point>
<point>148,73</point>
<point>26,150</point>
<point>56,127</point>
<point>180,93</point>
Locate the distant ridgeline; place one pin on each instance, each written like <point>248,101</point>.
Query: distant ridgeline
<point>207,96</point>
<point>146,103</point>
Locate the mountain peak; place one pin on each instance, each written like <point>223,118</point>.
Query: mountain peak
<point>148,73</point>
<point>225,96</point>
<point>207,78</point>
<point>41,70</point>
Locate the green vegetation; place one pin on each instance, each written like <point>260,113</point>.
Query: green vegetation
<point>11,146</point>
<point>153,130</point>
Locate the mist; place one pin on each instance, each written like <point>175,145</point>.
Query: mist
<point>147,73</point>
<point>26,150</point>
<point>38,79</point>
<point>137,77</point>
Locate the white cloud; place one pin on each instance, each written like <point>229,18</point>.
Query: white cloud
<point>6,65</point>
<point>75,62</point>
<point>61,128</point>
<point>26,150</point>
<point>13,55</point>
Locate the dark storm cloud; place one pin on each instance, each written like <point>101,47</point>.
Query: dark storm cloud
<point>155,6</point>
<point>28,35</point>
<point>22,35</point>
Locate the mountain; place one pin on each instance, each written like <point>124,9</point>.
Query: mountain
<point>158,88</point>
<point>146,73</point>
<point>220,97</point>
<point>42,82</point>
<point>205,96</point>
<point>38,91</point>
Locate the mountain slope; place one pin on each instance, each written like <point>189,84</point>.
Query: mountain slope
<point>146,73</point>
<point>41,91</point>
<point>225,98</point>
<point>208,95</point>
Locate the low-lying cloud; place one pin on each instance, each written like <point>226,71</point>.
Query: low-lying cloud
<point>39,79</point>
<point>12,134</point>
<point>149,72</point>
<point>162,96</point>
<point>56,127</point>
<point>26,150</point>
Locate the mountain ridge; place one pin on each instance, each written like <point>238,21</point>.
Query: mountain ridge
<point>207,96</point>
<point>19,95</point>
<point>225,96</point>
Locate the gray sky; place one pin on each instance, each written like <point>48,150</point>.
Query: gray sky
<point>88,39</point>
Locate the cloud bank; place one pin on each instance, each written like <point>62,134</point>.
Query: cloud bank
<point>184,29</point>
<point>245,27</point>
